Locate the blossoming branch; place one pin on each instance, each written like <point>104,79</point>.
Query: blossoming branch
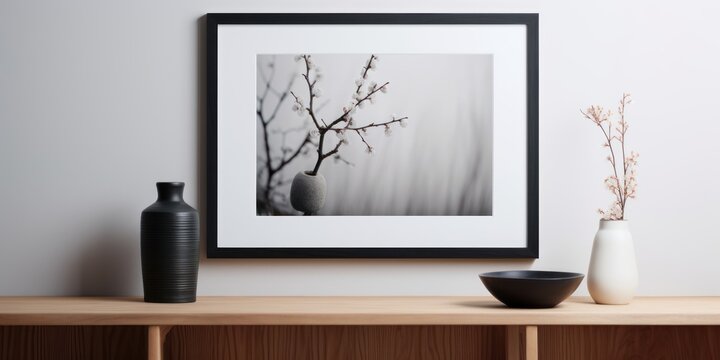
<point>623,182</point>
<point>345,122</point>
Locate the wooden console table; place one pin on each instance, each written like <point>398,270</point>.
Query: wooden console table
<point>519,327</point>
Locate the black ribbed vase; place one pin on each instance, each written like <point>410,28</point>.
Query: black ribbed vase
<point>170,247</point>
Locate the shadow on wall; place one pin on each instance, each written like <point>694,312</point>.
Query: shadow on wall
<point>201,176</point>
<point>109,265</point>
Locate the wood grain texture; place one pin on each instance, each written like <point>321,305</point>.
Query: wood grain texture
<point>629,342</point>
<point>358,342</point>
<point>72,342</point>
<point>336,342</point>
<point>352,311</point>
<point>514,342</point>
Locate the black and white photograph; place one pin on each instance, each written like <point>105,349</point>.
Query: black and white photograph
<point>374,134</point>
<point>382,135</point>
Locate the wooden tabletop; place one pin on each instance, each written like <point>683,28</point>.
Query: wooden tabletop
<point>352,311</point>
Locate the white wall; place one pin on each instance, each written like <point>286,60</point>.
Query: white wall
<point>98,100</point>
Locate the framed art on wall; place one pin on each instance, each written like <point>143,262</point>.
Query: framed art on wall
<point>372,135</point>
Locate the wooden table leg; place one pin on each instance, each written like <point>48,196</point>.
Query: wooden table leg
<point>531,343</point>
<point>156,338</point>
<point>521,342</point>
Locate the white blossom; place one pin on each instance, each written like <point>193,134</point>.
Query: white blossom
<point>359,82</point>
<point>388,130</point>
<point>403,123</point>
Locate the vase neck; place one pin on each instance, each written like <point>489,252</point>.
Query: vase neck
<point>614,225</point>
<point>170,191</point>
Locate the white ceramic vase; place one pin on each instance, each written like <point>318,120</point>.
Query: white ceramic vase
<point>307,192</point>
<point>613,276</point>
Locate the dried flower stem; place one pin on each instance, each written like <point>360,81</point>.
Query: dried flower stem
<point>622,189</point>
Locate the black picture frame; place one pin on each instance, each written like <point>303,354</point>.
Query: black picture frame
<point>531,250</point>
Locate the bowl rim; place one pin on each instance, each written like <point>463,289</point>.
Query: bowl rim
<point>562,275</point>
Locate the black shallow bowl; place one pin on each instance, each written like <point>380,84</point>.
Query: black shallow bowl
<point>531,289</point>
